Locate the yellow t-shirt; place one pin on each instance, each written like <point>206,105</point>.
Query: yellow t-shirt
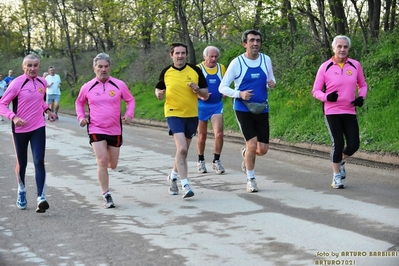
<point>180,100</point>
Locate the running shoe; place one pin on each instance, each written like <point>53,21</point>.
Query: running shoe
<point>201,167</point>
<point>342,170</point>
<point>252,186</point>
<point>217,166</point>
<point>337,182</point>
<point>21,201</point>
<point>173,189</point>
<point>187,192</point>
<point>42,205</point>
<point>108,202</point>
<point>243,166</point>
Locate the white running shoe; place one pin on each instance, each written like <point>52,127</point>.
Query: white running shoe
<point>173,189</point>
<point>217,166</point>
<point>201,167</point>
<point>342,170</point>
<point>108,202</point>
<point>252,186</point>
<point>243,166</point>
<point>337,182</point>
<point>187,192</point>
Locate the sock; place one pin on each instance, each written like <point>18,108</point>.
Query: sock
<point>21,187</point>
<point>201,157</point>
<point>106,192</point>
<point>216,157</point>
<point>173,175</point>
<point>250,174</point>
<point>184,182</point>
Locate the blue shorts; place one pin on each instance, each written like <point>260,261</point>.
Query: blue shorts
<point>53,98</point>
<point>114,141</point>
<point>186,125</point>
<point>206,110</point>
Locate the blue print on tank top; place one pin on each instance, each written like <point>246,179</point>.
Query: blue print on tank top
<point>254,79</point>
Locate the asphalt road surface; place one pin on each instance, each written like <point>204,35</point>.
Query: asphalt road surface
<point>296,218</point>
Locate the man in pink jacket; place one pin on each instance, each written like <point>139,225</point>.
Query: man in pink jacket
<point>27,93</point>
<point>103,95</point>
<point>341,86</point>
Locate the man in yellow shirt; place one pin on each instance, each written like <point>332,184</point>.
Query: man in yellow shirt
<point>179,84</point>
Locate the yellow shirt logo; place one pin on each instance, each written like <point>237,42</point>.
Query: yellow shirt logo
<point>112,93</point>
<point>41,90</point>
<point>349,73</point>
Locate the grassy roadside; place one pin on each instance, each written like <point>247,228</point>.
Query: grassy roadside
<point>290,121</point>
<point>295,116</point>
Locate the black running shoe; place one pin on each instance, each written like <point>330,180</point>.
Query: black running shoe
<point>108,202</point>
<point>42,205</point>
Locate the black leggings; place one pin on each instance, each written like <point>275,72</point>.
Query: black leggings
<point>37,140</point>
<point>340,126</point>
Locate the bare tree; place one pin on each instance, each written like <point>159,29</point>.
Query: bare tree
<point>393,15</point>
<point>363,28</point>
<point>324,39</point>
<point>61,15</point>
<point>184,30</point>
<point>374,17</point>
<point>338,15</point>
<point>258,11</point>
<point>287,15</point>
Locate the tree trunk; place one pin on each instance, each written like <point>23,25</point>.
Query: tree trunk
<point>186,34</point>
<point>65,28</point>
<point>387,14</point>
<point>393,16</point>
<point>374,17</point>
<point>257,15</point>
<point>359,17</point>
<point>312,22</point>
<point>339,18</point>
<point>326,49</point>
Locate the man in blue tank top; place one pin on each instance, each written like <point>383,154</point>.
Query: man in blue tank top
<point>210,109</point>
<point>252,74</point>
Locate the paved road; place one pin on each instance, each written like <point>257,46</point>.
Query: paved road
<point>295,218</point>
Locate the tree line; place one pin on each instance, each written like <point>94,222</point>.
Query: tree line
<point>67,28</point>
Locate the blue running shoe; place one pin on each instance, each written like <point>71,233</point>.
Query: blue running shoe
<point>21,201</point>
<point>187,192</point>
<point>42,205</point>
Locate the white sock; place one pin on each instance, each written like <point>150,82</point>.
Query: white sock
<point>173,175</point>
<point>21,187</point>
<point>250,174</point>
<point>184,182</point>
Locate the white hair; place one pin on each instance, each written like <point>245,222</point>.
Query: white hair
<point>334,42</point>
<point>205,53</point>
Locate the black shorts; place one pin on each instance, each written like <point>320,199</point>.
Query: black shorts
<point>114,141</point>
<point>253,125</point>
